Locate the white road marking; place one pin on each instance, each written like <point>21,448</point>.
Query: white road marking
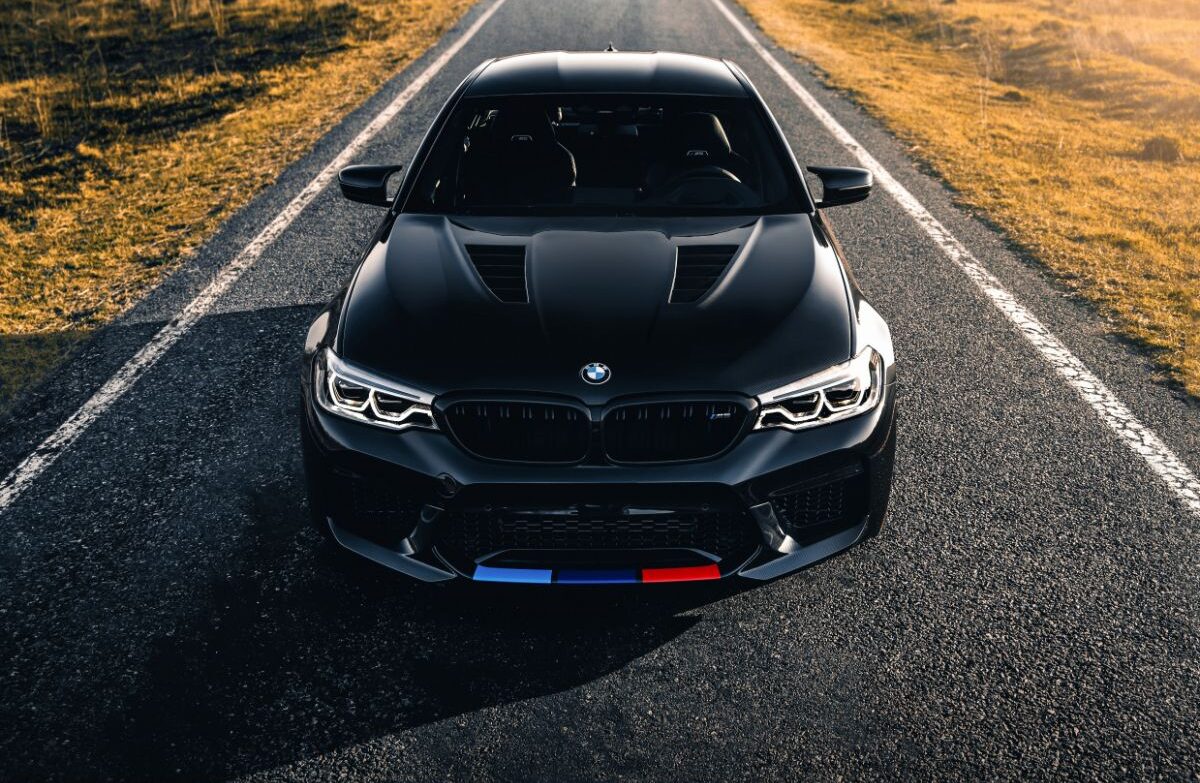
<point>123,380</point>
<point>1182,482</point>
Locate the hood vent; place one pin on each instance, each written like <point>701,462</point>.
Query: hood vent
<point>697,268</point>
<point>502,269</point>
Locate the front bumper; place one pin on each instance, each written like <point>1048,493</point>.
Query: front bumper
<point>777,501</point>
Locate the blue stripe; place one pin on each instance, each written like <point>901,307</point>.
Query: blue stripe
<point>536,576</point>
<point>593,577</point>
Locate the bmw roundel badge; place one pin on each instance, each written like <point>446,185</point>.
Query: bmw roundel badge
<point>595,373</point>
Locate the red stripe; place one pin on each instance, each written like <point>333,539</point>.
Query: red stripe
<point>687,574</point>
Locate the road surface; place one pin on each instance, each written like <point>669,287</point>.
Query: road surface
<point>1029,612</point>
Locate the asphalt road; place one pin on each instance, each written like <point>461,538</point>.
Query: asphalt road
<point>1029,612</point>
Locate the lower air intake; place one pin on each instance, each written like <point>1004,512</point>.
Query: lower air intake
<point>375,509</point>
<point>469,535</point>
<point>822,506</point>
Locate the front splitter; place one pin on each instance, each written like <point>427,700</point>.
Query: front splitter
<point>405,563</point>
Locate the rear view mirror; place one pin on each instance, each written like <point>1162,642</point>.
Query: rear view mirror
<point>842,184</point>
<point>367,184</point>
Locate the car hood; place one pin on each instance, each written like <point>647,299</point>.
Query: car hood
<point>599,290</point>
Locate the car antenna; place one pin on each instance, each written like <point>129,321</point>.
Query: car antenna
<point>610,47</point>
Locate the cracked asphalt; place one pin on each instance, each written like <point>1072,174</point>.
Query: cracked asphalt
<point>1030,611</point>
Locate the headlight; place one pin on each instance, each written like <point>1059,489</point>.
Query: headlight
<point>841,392</point>
<point>347,391</point>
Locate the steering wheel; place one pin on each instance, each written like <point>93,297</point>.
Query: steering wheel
<point>699,172</point>
<point>706,185</point>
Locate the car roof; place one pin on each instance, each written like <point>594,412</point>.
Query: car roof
<point>607,72</point>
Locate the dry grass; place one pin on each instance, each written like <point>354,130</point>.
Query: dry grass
<point>130,128</point>
<point>1074,124</point>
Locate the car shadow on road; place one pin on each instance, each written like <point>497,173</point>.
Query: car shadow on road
<point>301,651</point>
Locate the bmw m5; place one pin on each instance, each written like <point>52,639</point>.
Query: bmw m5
<point>604,334</point>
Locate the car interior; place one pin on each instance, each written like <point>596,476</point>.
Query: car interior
<point>612,153</point>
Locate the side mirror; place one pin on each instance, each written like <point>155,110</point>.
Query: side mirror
<point>842,184</point>
<point>367,184</point>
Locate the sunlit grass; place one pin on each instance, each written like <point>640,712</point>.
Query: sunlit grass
<point>129,129</point>
<point>1074,124</point>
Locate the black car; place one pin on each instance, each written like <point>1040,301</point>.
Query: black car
<point>603,335</point>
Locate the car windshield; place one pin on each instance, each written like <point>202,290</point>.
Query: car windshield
<point>606,155</point>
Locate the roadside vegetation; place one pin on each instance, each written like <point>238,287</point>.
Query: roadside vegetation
<point>1072,124</point>
<point>129,129</point>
